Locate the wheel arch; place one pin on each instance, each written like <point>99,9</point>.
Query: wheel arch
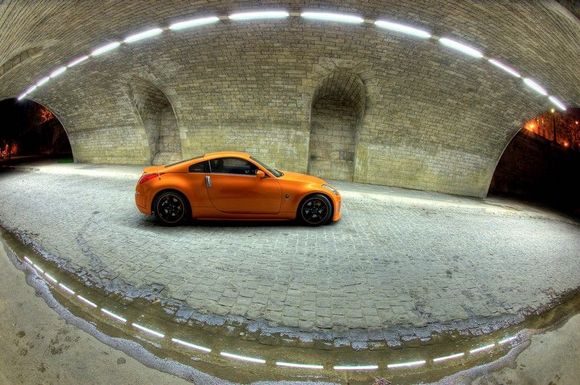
<point>170,189</point>
<point>311,193</point>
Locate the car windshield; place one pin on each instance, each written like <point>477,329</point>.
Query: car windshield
<point>274,172</point>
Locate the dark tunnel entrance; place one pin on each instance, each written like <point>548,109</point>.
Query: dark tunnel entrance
<point>541,162</point>
<point>30,131</point>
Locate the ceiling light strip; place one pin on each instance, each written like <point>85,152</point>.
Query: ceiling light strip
<point>464,48</point>
<point>557,103</point>
<point>505,68</point>
<point>535,86</point>
<point>105,48</point>
<point>402,28</point>
<point>259,15</point>
<point>186,24</point>
<point>143,35</point>
<point>356,367</point>
<point>327,16</point>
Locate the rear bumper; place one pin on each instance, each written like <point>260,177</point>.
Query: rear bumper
<point>141,203</point>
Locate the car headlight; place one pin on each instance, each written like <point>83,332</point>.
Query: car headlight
<point>329,187</point>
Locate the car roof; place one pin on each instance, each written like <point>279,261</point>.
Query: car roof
<point>222,154</point>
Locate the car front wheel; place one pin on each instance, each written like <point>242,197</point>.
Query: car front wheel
<point>315,210</point>
<point>171,208</point>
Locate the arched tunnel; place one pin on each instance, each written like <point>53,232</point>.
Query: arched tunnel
<point>453,216</point>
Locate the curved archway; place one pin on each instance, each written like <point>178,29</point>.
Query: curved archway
<point>540,161</point>
<point>336,114</point>
<point>158,119</point>
<point>31,131</point>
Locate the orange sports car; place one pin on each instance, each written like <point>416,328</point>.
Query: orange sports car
<point>234,185</point>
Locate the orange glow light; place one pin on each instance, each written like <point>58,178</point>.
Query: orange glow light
<point>530,126</point>
<point>566,144</point>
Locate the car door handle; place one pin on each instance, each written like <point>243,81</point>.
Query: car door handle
<point>207,181</point>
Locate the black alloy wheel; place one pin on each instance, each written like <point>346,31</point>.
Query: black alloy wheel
<point>171,208</point>
<point>315,210</point>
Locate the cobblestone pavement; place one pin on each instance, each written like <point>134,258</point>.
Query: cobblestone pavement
<point>400,264</point>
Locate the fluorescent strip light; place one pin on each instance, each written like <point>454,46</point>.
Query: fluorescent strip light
<point>193,23</point>
<point>77,61</point>
<point>38,268</point>
<point>27,260</point>
<point>147,330</point>
<point>118,317</point>
<point>143,35</point>
<point>92,304</point>
<point>362,367</point>
<point>406,364</point>
<point>507,69</point>
<point>557,103</point>
<point>403,29</point>
<point>535,86</point>
<point>301,366</point>
<point>461,47</point>
<point>243,358</point>
<point>341,18</point>
<point>259,15</point>
<point>450,357</point>
<point>57,72</point>
<point>66,288</point>
<point>480,349</point>
<point>506,340</point>
<point>50,277</point>
<point>43,81</point>
<point>190,345</point>
<point>31,89</point>
<point>105,48</point>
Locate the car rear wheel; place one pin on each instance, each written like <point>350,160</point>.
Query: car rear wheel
<point>315,210</point>
<point>171,208</point>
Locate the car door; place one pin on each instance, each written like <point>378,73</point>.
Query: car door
<point>234,187</point>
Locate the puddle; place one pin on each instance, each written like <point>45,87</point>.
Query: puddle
<point>229,352</point>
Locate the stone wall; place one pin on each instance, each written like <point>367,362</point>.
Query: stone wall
<point>434,119</point>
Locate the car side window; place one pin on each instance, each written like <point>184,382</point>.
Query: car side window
<point>202,167</point>
<point>232,166</point>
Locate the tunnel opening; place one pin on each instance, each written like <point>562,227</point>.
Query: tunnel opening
<point>541,162</point>
<point>31,131</point>
<point>336,114</point>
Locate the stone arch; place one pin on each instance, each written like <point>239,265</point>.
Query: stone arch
<point>337,110</point>
<point>33,129</point>
<point>158,119</point>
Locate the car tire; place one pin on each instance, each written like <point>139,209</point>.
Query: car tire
<point>315,210</point>
<point>171,208</point>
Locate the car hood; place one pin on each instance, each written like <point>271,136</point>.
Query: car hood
<point>297,177</point>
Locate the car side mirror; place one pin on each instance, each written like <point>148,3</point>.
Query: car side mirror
<point>260,174</point>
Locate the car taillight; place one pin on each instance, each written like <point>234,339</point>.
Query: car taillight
<point>147,177</point>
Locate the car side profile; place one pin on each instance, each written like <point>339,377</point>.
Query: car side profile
<point>234,185</point>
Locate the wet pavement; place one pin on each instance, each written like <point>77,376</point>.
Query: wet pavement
<point>400,266</point>
<point>48,346</point>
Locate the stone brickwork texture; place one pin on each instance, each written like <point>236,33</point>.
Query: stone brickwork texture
<point>433,119</point>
